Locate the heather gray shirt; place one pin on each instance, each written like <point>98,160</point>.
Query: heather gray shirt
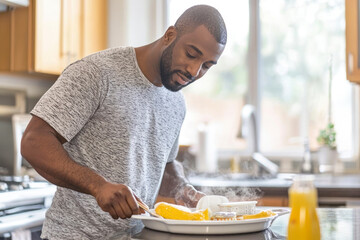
<point>117,123</point>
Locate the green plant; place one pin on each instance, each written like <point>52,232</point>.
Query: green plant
<point>327,136</point>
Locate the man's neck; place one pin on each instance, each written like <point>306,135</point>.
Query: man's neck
<point>148,58</point>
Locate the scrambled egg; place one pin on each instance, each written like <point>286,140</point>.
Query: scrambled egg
<point>262,214</point>
<point>177,212</point>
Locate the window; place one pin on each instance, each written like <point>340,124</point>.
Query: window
<point>295,41</point>
<point>297,54</point>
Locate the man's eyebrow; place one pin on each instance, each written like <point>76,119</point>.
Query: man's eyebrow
<point>196,49</point>
<point>200,53</point>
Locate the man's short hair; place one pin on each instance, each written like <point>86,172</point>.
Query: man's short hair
<point>205,15</point>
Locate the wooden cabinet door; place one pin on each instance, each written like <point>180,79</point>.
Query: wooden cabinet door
<point>273,201</point>
<point>57,34</point>
<point>5,27</point>
<point>68,30</point>
<point>50,34</point>
<point>94,26</point>
<point>352,40</point>
<point>13,40</point>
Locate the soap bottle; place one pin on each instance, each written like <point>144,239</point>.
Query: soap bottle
<point>303,220</point>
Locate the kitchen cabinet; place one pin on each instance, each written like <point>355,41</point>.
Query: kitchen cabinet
<point>4,41</point>
<point>352,40</point>
<point>65,31</point>
<point>273,201</point>
<point>49,35</point>
<point>13,45</point>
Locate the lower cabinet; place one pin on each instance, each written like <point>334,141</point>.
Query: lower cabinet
<point>273,201</point>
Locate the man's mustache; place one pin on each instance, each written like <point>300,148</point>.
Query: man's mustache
<point>187,75</point>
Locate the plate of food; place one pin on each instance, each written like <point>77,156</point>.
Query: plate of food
<point>204,220</point>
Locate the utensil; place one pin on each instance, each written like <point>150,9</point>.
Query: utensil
<point>146,209</point>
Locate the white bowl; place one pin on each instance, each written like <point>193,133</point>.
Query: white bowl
<point>212,202</point>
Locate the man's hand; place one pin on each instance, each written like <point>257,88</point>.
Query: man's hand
<point>188,196</point>
<point>118,200</point>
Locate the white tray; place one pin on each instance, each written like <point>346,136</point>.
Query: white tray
<point>208,227</point>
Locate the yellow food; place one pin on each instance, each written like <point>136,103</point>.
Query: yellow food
<point>177,212</point>
<point>262,214</point>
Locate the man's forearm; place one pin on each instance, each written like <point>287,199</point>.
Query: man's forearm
<point>176,188</point>
<point>62,183</point>
<point>173,179</point>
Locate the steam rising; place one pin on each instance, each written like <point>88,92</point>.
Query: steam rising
<point>235,195</point>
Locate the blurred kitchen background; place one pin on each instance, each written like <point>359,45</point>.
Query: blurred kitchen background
<point>290,68</point>
<point>276,60</point>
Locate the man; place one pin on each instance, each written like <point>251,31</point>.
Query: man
<point>106,133</point>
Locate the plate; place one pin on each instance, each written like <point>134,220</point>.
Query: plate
<point>209,227</point>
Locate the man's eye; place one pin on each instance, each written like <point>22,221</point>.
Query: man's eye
<point>189,55</point>
<point>206,66</point>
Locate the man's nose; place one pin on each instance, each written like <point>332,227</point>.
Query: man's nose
<point>194,69</point>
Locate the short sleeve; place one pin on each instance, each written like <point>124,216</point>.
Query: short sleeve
<point>174,151</point>
<point>73,99</point>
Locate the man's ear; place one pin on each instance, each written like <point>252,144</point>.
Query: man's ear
<point>170,35</point>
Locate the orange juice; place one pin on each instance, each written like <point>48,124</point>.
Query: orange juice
<point>303,221</point>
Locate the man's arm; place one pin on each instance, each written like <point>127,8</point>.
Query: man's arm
<point>176,188</point>
<point>42,147</point>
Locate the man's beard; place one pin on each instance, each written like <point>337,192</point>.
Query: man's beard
<point>166,73</point>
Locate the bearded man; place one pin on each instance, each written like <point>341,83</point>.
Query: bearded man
<point>106,133</point>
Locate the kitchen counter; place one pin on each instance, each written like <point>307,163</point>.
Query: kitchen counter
<point>335,223</point>
<point>332,188</point>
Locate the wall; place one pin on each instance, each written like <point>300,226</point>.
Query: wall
<point>35,87</point>
<point>135,22</point>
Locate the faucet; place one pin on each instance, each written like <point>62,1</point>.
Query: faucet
<point>248,130</point>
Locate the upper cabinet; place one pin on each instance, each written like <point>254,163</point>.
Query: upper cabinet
<point>65,31</point>
<point>49,35</point>
<point>352,40</point>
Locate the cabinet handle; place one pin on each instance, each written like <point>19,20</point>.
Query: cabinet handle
<point>350,63</point>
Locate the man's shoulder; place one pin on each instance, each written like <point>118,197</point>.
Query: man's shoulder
<point>111,57</point>
<point>110,53</point>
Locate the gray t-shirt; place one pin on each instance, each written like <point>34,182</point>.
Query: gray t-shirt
<point>117,123</point>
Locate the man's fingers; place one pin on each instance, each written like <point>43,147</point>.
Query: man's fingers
<point>126,208</point>
<point>127,202</point>
<point>113,213</point>
<point>122,212</point>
